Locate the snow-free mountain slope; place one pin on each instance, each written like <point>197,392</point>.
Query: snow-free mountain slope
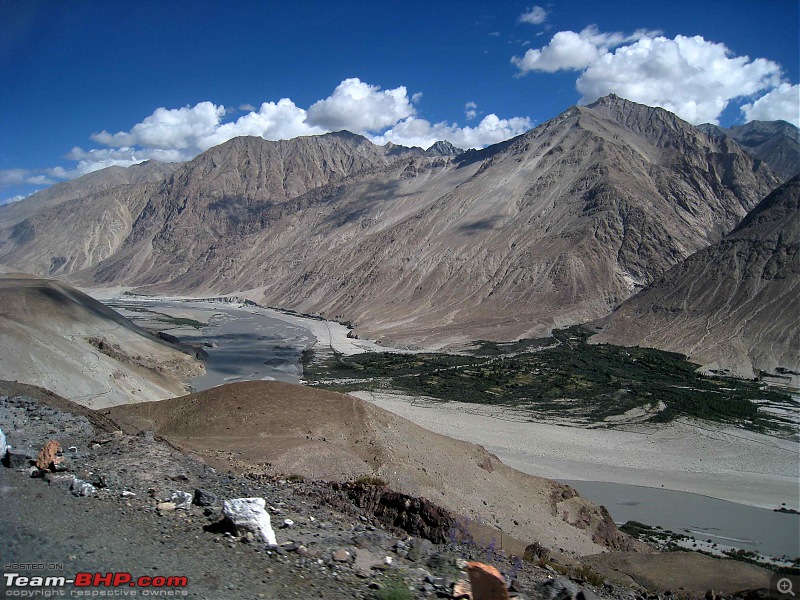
<point>777,143</point>
<point>733,305</point>
<point>57,337</point>
<point>91,183</point>
<point>557,226</point>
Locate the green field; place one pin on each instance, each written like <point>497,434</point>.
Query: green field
<point>562,377</point>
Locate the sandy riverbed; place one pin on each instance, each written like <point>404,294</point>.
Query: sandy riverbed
<point>701,458</point>
<point>729,464</point>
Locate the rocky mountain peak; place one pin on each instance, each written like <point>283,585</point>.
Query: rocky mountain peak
<point>780,210</point>
<point>753,133</point>
<point>443,148</point>
<point>777,143</point>
<point>655,124</point>
<point>348,136</point>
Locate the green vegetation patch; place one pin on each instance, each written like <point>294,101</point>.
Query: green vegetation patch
<point>562,377</point>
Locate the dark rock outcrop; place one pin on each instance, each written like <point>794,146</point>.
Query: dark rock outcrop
<point>416,516</point>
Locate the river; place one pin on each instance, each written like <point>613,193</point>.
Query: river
<point>251,343</point>
<point>243,343</point>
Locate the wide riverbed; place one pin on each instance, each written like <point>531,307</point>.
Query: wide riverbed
<point>643,475</point>
<point>243,343</point>
<point>709,520</point>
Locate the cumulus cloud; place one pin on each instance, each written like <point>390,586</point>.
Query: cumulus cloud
<point>420,132</point>
<point>171,135</point>
<point>569,50</point>
<point>781,103</point>
<point>690,76</point>
<point>361,108</point>
<point>179,134</point>
<point>280,120</point>
<point>177,128</point>
<point>535,16</point>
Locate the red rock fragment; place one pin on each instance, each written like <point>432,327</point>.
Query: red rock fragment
<point>48,456</point>
<point>487,582</point>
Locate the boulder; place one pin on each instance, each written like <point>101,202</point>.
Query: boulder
<point>342,555</point>
<point>16,458</point>
<point>204,498</point>
<point>82,488</point>
<point>558,589</point>
<point>182,500</point>
<point>249,514</point>
<point>48,456</point>
<point>420,549</point>
<point>487,582</point>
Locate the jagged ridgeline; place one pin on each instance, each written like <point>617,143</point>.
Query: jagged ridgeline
<point>555,227</point>
<point>732,306</point>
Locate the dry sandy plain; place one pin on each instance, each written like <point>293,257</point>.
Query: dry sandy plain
<point>725,463</point>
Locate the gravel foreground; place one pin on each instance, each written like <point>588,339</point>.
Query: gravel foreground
<point>116,506</point>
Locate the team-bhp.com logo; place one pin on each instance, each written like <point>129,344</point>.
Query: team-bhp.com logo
<point>93,585</point>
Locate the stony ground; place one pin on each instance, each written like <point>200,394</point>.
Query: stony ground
<point>130,518</point>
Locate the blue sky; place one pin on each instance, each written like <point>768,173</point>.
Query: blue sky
<point>89,84</point>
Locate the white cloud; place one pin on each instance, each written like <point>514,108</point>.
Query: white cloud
<point>16,198</point>
<point>175,129</point>
<point>15,177</point>
<point>568,51</point>
<point>179,134</point>
<point>690,76</point>
<point>781,103</point>
<point>420,132</point>
<point>361,107</point>
<point>280,120</point>
<point>534,16</point>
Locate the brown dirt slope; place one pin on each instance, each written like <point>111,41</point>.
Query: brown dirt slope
<point>57,337</point>
<point>276,427</point>
<point>687,571</point>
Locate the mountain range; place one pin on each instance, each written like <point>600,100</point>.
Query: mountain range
<point>431,248</point>
<point>732,305</point>
<point>777,143</point>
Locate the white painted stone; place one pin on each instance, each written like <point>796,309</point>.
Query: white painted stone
<point>2,443</point>
<point>182,500</point>
<point>249,514</point>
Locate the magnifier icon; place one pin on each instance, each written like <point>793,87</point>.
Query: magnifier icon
<point>785,586</point>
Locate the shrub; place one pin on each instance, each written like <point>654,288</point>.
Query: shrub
<point>536,553</point>
<point>587,574</point>
<point>370,480</point>
<point>394,588</point>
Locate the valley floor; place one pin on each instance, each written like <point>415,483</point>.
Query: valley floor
<point>707,459</point>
